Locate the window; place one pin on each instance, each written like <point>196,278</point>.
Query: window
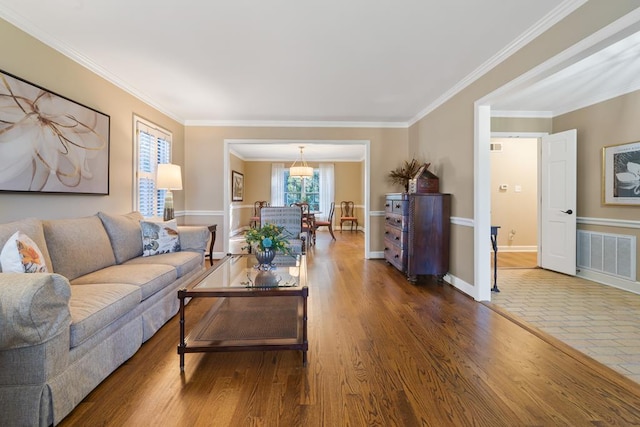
<point>302,189</point>
<point>153,146</point>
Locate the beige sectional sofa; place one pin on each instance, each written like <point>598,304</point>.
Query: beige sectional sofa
<point>65,331</point>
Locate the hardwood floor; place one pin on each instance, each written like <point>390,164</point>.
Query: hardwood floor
<point>516,259</point>
<point>382,352</point>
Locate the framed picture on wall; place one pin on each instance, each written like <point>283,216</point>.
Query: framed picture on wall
<point>50,144</point>
<point>621,174</point>
<point>237,186</point>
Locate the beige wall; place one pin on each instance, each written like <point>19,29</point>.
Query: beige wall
<point>607,123</point>
<point>445,136</point>
<point>204,152</point>
<point>33,61</point>
<point>515,212</point>
<point>519,125</point>
<point>349,185</point>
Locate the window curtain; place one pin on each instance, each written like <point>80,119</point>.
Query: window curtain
<point>326,187</point>
<point>277,184</point>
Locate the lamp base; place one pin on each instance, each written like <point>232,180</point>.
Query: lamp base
<point>168,214</point>
<point>168,206</point>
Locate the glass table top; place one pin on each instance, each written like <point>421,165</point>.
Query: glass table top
<point>241,271</point>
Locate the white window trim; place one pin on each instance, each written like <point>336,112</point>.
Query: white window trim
<point>150,127</point>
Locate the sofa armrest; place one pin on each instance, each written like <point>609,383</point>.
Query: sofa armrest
<point>33,308</point>
<point>193,238</point>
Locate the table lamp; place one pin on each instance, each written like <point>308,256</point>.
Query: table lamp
<point>168,178</point>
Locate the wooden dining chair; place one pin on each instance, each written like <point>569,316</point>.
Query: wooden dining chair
<point>257,206</point>
<point>308,222</point>
<point>328,223</point>
<point>347,214</point>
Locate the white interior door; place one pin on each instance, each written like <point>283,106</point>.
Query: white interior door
<point>558,202</point>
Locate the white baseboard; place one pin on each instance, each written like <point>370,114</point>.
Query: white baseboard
<point>605,279</point>
<point>517,249</point>
<point>460,284</point>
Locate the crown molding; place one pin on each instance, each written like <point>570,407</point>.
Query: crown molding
<point>306,124</point>
<point>561,11</point>
<point>17,20</point>
<point>523,114</point>
<point>552,18</point>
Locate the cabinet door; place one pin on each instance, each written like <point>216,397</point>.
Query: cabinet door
<point>429,234</point>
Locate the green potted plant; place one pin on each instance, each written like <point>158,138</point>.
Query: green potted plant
<point>267,241</point>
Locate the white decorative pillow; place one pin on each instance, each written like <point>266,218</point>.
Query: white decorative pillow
<point>21,255</point>
<point>159,237</point>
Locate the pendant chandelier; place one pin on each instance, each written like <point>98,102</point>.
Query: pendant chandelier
<point>301,169</point>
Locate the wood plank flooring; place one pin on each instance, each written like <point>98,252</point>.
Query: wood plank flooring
<point>383,352</point>
<point>516,259</point>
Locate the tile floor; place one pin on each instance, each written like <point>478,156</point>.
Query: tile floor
<point>600,321</point>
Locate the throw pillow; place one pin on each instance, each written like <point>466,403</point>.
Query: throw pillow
<point>159,237</point>
<point>21,255</point>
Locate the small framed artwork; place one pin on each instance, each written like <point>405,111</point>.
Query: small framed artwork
<point>621,174</point>
<point>237,186</point>
<point>50,144</point>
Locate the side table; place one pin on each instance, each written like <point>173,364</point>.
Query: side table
<point>212,228</point>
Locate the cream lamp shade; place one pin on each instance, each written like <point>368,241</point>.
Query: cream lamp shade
<point>168,177</point>
<point>302,169</point>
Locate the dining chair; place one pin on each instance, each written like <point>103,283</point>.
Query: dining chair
<point>257,206</point>
<point>308,221</point>
<point>290,218</point>
<point>347,214</point>
<point>328,223</point>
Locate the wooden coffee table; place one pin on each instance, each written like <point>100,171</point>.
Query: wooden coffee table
<point>251,309</point>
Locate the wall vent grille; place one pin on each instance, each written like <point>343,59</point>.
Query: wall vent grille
<point>613,254</point>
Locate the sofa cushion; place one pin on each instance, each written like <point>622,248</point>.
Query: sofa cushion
<point>159,237</point>
<point>183,262</point>
<point>124,233</point>
<point>31,227</point>
<point>93,307</point>
<point>78,246</point>
<point>150,278</point>
<point>21,255</point>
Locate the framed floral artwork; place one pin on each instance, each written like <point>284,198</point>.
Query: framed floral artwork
<point>621,174</point>
<point>49,143</point>
<point>237,186</point>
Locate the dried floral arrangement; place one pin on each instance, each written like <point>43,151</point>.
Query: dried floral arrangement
<point>408,170</point>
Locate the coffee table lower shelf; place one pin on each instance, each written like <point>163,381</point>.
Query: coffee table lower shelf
<point>247,319</point>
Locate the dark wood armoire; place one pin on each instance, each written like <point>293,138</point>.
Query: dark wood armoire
<point>417,233</point>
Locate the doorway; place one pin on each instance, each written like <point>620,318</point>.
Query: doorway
<point>339,145</point>
<point>514,200</point>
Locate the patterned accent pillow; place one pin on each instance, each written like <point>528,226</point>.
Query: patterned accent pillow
<point>159,237</point>
<point>21,255</point>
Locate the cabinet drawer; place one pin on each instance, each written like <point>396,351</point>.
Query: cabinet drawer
<point>396,256</point>
<point>400,207</point>
<point>394,220</point>
<point>395,236</point>
<point>397,206</point>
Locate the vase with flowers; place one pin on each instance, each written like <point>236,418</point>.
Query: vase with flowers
<point>266,241</point>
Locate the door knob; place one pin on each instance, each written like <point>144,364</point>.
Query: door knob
<point>568,212</point>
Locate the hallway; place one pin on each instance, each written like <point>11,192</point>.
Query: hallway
<point>601,321</point>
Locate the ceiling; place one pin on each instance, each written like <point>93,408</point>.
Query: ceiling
<point>306,63</point>
<point>283,60</point>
